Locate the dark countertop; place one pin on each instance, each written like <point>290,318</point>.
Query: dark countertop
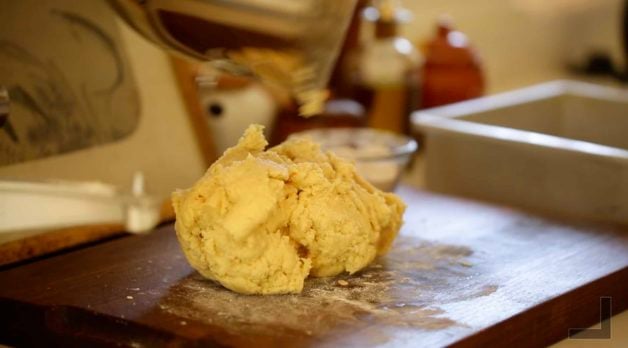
<point>461,273</point>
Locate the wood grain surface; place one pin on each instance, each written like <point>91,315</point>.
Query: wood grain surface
<point>462,273</point>
<point>22,247</point>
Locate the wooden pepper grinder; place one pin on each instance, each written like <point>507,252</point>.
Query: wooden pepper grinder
<point>452,71</point>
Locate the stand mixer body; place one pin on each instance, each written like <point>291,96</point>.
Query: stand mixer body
<point>292,44</point>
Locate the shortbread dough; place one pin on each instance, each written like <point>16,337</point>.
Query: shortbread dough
<point>261,221</point>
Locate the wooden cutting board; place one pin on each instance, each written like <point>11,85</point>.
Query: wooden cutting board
<point>462,273</point>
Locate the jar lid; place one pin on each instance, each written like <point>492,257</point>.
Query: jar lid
<point>450,47</point>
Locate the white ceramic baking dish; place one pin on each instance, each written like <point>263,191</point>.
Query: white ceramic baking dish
<point>560,147</point>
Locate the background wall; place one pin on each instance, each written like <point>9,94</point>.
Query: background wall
<point>525,41</point>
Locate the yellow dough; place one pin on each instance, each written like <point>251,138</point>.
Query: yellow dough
<point>261,221</point>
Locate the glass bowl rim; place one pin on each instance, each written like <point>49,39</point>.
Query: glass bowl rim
<point>406,144</point>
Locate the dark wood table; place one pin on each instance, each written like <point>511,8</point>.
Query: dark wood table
<point>462,273</point>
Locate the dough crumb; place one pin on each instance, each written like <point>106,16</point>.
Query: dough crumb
<point>343,282</point>
<point>261,220</point>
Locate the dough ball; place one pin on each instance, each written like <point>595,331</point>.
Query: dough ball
<point>261,221</point>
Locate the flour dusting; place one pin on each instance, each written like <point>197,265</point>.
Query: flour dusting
<point>397,290</point>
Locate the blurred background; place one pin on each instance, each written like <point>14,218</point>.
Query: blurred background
<point>91,99</point>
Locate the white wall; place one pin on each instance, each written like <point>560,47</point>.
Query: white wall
<point>525,41</point>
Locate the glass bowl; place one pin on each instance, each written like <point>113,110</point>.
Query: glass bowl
<point>380,156</point>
